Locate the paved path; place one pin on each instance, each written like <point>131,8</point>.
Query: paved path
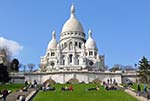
<point>13,96</point>
<point>134,94</point>
<point>140,98</point>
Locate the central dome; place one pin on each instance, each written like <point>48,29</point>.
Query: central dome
<point>72,24</point>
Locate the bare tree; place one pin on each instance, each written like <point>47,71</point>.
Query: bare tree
<point>116,67</point>
<point>106,67</point>
<point>5,55</point>
<point>31,66</point>
<point>128,67</point>
<point>24,68</point>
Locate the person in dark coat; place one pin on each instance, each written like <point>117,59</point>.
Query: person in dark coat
<point>5,93</point>
<point>138,90</point>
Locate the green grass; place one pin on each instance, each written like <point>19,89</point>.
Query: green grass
<point>134,86</point>
<point>80,94</point>
<point>12,87</point>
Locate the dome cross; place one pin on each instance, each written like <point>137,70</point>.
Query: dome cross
<point>72,10</point>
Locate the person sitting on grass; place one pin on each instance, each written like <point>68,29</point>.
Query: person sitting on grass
<point>95,88</point>
<point>21,98</point>
<point>70,88</point>
<point>62,88</point>
<point>110,87</point>
<point>66,88</point>
<point>44,86</point>
<point>50,88</point>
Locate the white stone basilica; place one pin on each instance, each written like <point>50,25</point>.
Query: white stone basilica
<point>75,59</point>
<point>73,52</point>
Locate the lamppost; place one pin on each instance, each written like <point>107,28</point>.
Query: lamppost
<point>136,72</point>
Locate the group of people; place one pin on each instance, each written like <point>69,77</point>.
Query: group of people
<point>47,87</point>
<point>145,90</point>
<point>111,81</point>
<point>30,84</point>
<point>110,85</point>
<point>70,88</point>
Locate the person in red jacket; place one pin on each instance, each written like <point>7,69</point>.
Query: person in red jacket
<point>70,88</point>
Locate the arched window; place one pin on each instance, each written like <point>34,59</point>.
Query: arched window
<point>52,53</point>
<point>62,45</point>
<point>70,58</point>
<point>47,54</point>
<point>77,59</point>
<point>90,53</point>
<point>76,43</point>
<point>63,61</point>
<point>52,64</point>
<point>70,45</point>
<point>65,44</point>
<point>79,44</point>
<point>95,53</point>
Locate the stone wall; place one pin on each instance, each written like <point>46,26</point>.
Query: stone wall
<point>63,77</point>
<point>82,76</point>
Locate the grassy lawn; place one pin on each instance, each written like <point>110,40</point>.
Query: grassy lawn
<point>12,87</point>
<point>81,94</point>
<point>134,86</point>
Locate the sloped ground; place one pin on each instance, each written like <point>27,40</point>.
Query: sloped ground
<point>13,96</point>
<point>80,93</point>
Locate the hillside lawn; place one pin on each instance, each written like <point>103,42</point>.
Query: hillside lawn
<point>135,86</point>
<point>12,87</point>
<point>80,93</point>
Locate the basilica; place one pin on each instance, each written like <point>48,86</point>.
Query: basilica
<point>73,52</point>
<point>74,58</point>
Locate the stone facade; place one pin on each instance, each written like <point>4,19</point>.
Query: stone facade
<point>83,76</point>
<point>72,52</point>
<point>64,77</point>
<point>74,57</point>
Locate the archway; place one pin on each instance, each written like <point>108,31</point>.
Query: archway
<point>73,81</point>
<point>97,81</point>
<point>50,81</point>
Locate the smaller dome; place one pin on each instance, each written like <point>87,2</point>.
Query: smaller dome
<point>90,43</point>
<point>53,43</point>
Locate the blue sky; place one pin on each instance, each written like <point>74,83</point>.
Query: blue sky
<point>121,28</point>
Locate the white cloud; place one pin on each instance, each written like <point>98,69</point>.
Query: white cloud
<point>13,46</point>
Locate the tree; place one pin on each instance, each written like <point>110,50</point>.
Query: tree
<point>31,66</point>
<point>4,75</point>
<point>5,57</point>
<point>116,67</point>
<point>106,67</point>
<point>24,68</point>
<point>144,70</point>
<point>15,65</point>
<point>128,68</point>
